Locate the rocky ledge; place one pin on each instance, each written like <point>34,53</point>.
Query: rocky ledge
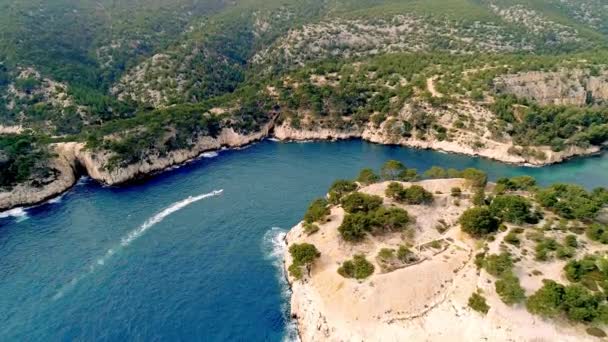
<point>72,160</point>
<point>491,149</point>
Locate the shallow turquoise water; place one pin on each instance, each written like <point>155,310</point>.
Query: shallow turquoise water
<point>144,262</point>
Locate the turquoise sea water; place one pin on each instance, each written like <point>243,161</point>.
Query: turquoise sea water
<point>169,259</point>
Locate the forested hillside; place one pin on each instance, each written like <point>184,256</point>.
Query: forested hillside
<point>135,78</point>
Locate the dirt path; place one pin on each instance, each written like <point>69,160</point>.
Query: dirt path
<point>430,84</point>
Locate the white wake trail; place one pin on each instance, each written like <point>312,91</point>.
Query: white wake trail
<point>126,240</point>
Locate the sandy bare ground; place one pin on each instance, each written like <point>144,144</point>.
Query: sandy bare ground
<point>430,84</point>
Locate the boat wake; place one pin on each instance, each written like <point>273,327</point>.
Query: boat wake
<point>274,247</point>
<point>133,235</point>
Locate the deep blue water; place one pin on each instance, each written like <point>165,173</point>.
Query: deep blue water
<point>93,266</point>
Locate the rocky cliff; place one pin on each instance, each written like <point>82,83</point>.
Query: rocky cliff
<point>64,175</point>
<point>564,87</point>
<point>424,300</point>
<point>72,158</point>
<point>488,148</point>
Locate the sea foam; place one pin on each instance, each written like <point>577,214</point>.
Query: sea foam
<point>19,214</point>
<point>274,247</point>
<point>133,235</point>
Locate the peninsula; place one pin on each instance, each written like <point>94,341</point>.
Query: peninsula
<point>383,259</point>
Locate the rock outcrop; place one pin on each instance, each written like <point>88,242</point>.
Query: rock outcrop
<point>564,87</point>
<point>72,158</point>
<point>64,175</point>
<point>94,163</point>
<point>491,149</point>
<point>422,301</point>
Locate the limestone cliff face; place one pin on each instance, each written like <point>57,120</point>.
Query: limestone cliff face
<point>72,156</point>
<point>491,149</point>
<point>63,166</point>
<point>286,132</point>
<point>564,87</point>
<point>94,162</point>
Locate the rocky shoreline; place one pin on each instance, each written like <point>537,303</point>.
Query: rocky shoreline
<point>426,300</point>
<point>73,160</point>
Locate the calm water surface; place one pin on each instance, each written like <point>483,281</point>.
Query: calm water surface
<point>159,260</point>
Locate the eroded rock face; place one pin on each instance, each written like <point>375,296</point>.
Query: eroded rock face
<point>73,156</point>
<point>491,149</point>
<point>64,175</point>
<point>564,87</point>
<point>94,162</point>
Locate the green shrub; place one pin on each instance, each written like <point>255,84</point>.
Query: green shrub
<point>596,332</point>
<point>512,238</point>
<point>310,228</point>
<point>391,170</point>
<point>517,183</point>
<point>340,188</point>
<point>476,178</point>
<point>360,202</point>
<point>413,195</point>
<point>408,175</point>
<point>367,176</point>
<point>355,226</point>
<point>597,232</point>
<point>570,241</point>
<point>498,264</point>
<point>456,192</point>
<point>544,247</point>
<point>478,221</point>
<point>436,172</point>
<point>586,271</point>
<point>509,289</point>
<point>478,303</point>
<point>358,268</point>
<point>303,255</point>
<point>579,304</point>
<point>479,197</point>
<point>416,194</point>
<point>565,252</point>
<point>570,201</point>
<point>547,300</point>
<point>405,255</point>
<point>390,220</point>
<point>386,254</point>
<point>511,208</point>
<point>317,210</point>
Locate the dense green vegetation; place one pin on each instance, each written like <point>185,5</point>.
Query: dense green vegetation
<point>22,158</point>
<point>317,210</point>
<point>478,303</point>
<point>571,201</point>
<point>513,209</point>
<point>358,202</point>
<point>573,301</point>
<point>358,268</point>
<point>365,213</point>
<point>235,55</point>
<point>414,194</point>
<point>303,256</point>
<point>478,221</point>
